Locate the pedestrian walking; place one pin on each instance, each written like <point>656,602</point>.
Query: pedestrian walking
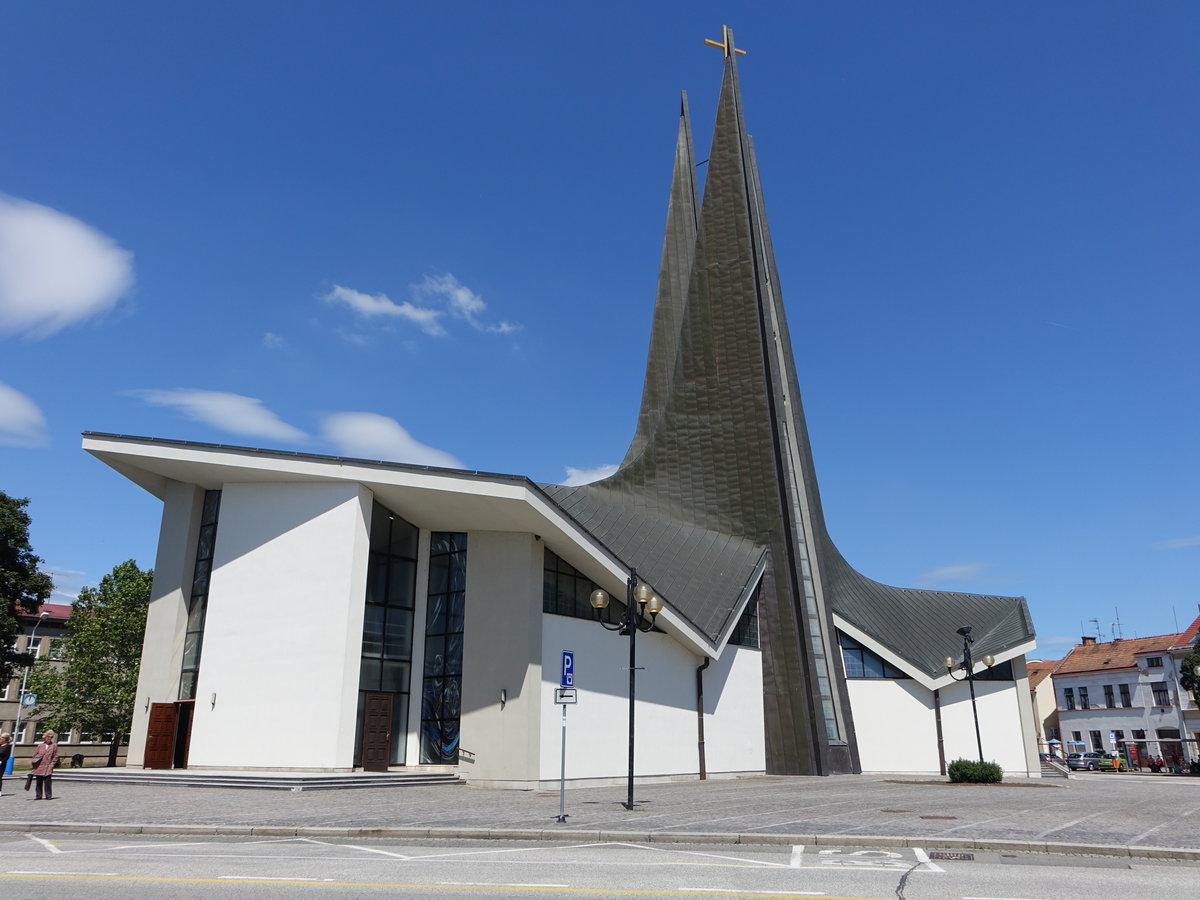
<point>45,757</point>
<point>5,753</point>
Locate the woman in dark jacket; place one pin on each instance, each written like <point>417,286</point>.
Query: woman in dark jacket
<point>44,770</point>
<point>5,753</point>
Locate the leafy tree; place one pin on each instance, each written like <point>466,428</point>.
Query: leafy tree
<point>93,684</point>
<point>23,586</point>
<point>1187,670</point>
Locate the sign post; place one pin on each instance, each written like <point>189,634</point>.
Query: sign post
<point>565,694</point>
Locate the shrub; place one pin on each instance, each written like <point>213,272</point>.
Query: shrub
<point>972,772</point>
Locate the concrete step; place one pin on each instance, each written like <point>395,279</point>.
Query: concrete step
<point>261,781</point>
<point>1049,770</point>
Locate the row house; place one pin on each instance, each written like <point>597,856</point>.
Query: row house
<point>1124,696</point>
<point>40,634</point>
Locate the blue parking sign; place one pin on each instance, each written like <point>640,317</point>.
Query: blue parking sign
<point>568,669</point>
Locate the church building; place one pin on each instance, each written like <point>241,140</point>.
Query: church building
<point>317,613</point>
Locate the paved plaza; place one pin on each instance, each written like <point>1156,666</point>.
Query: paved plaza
<point>1137,815</point>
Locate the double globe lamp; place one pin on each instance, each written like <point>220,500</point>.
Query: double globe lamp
<point>642,606</point>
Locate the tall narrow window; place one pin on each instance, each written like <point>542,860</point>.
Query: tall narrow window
<point>386,663</point>
<point>1083,698</point>
<point>193,639</point>
<point>1069,697</point>
<point>441,697</point>
<point>1109,701</point>
<point>1097,742</point>
<point>1125,698</point>
<point>745,632</point>
<point>1162,696</point>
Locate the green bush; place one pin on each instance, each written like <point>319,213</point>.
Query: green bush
<point>971,772</point>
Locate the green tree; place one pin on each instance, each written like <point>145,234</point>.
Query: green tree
<point>1187,670</point>
<point>23,586</point>
<point>93,684</point>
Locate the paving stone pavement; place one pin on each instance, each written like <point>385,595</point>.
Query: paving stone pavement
<point>1093,813</point>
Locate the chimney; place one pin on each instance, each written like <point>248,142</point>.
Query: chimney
<point>1087,639</point>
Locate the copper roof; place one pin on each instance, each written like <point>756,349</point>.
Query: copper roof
<point>1039,669</point>
<point>1187,637</point>
<point>1119,654</point>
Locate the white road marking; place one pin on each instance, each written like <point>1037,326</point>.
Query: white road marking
<point>923,859</point>
<point>49,845</point>
<point>797,856</point>
<point>82,874</point>
<point>999,898</point>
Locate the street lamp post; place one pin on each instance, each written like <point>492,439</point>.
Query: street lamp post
<point>639,600</point>
<point>968,667</point>
<point>25,678</point>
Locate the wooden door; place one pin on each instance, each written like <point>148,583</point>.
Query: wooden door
<point>377,732</point>
<point>160,736</point>
<point>183,732</point>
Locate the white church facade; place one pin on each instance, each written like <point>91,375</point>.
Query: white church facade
<point>324,614</point>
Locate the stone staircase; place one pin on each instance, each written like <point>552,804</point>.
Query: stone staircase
<point>266,781</point>
<point>1055,770</point>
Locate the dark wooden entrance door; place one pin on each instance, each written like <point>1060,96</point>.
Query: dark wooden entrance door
<point>160,736</point>
<point>183,732</point>
<point>377,732</point>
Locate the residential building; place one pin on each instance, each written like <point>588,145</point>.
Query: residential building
<point>1123,695</point>
<point>1045,706</point>
<point>1183,647</point>
<point>41,634</point>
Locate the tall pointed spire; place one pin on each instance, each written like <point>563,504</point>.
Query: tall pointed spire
<point>718,495</point>
<point>679,247</point>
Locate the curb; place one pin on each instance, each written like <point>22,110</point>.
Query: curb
<point>1180,854</point>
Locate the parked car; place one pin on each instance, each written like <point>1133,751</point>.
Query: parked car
<point>1089,761</point>
<point>1112,761</point>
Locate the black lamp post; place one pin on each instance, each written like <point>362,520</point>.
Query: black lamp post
<point>968,667</point>
<point>639,600</point>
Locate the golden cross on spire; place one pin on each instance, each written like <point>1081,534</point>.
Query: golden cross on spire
<point>726,42</point>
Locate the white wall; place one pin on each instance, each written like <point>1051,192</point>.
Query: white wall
<point>1000,726</point>
<point>166,620</point>
<point>283,636</point>
<point>897,731</point>
<point>894,724</point>
<point>501,652</point>
<point>666,722</point>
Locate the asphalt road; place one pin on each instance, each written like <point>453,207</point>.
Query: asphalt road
<point>134,866</point>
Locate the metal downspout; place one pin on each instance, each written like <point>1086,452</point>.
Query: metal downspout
<point>700,716</point>
<point>937,717</point>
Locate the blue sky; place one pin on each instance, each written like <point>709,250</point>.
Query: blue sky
<point>431,233</point>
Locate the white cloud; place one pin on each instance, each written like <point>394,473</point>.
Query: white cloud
<point>463,303</point>
<point>21,421</point>
<point>234,413</point>
<point>576,477</point>
<point>957,572</point>
<point>273,341</point>
<point>1176,543</point>
<point>55,270</point>
<point>381,305</point>
<point>371,436</point>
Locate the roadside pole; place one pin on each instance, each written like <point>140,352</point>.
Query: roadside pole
<point>563,695</point>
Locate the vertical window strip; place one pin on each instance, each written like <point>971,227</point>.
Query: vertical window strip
<point>193,641</point>
<point>441,696</point>
<point>386,655</point>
